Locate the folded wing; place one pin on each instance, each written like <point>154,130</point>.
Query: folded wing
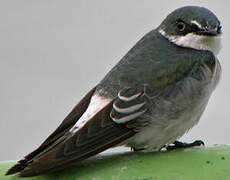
<point>105,129</point>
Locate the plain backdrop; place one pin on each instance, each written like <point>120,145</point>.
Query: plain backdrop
<point>53,52</point>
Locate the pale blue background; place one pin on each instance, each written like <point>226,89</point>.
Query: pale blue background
<point>52,52</point>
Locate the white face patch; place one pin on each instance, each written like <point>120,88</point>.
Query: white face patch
<point>96,104</point>
<point>192,40</point>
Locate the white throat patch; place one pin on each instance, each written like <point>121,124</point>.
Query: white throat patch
<point>192,40</point>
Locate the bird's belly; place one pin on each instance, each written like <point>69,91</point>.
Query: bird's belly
<point>171,120</point>
<point>173,116</point>
<point>154,137</point>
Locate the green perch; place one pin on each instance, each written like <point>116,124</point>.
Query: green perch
<point>202,163</point>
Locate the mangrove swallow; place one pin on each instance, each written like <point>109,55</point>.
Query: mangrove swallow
<point>155,94</point>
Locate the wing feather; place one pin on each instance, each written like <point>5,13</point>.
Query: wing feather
<point>97,135</point>
<point>108,127</point>
<point>129,105</point>
<point>54,138</point>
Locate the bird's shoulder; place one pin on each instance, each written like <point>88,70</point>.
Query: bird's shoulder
<point>156,62</point>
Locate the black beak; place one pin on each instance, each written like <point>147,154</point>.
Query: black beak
<point>209,32</point>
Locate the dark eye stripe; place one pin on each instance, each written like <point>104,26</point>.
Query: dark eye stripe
<point>194,27</point>
<point>189,27</point>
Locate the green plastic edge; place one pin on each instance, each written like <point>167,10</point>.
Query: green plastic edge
<point>203,163</point>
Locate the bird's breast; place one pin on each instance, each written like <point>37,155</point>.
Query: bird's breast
<point>178,110</point>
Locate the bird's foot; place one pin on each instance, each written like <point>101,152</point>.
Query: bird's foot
<point>179,145</point>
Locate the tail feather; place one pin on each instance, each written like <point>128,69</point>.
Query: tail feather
<point>97,135</point>
<point>20,166</point>
<point>56,137</point>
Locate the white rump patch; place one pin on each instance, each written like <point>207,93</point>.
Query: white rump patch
<point>192,40</point>
<point>96,104</point>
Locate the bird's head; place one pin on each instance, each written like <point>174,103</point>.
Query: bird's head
<point>193,27</point>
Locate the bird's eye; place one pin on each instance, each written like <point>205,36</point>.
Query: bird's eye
<point>181,26</point>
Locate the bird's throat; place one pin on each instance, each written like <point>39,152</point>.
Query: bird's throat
<point>191,40</point>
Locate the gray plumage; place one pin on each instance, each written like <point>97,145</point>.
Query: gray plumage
<point>177,83</point>
<point>156,93</point>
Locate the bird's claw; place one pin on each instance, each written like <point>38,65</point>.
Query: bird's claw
<point>179,145</point>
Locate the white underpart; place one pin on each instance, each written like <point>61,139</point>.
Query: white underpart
<point>97,103</point>
<point>192,40</point>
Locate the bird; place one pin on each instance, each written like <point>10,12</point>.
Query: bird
<point>154,95</point>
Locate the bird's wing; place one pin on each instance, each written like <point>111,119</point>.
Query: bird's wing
<point>107,128</point>
<point>64,127</point>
